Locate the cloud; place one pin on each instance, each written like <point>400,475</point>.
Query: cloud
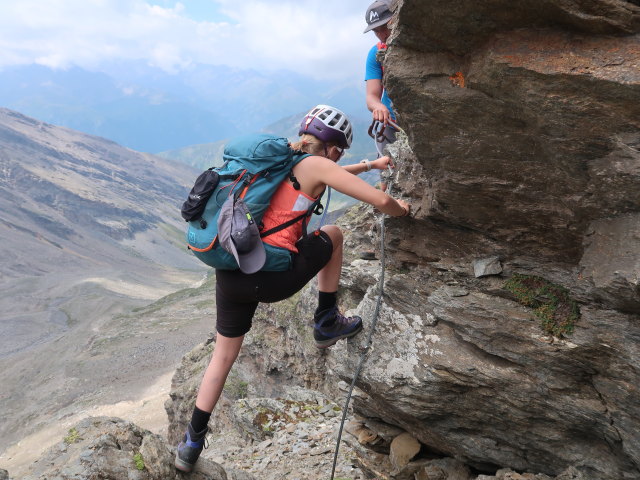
<point>320,38</point>
<point>325,36</point>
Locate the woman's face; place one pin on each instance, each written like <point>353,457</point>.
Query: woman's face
<point>338,153</point>
<point>334,153</point>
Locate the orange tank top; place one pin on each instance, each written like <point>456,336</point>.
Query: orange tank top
<point>286,204</point>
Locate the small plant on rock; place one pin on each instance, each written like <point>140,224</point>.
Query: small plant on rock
<point>236,388</point>
<point>551,303</point>
<point>139,461</point>
<point>72,437</point>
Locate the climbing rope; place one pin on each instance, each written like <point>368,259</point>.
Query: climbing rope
<point>376,315</point>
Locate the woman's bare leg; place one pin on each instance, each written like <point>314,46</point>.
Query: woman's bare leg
<point>329,276</point>
<point>224,355</point>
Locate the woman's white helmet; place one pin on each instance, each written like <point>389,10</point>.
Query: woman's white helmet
<point>329,125</point>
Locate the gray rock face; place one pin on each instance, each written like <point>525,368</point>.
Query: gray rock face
<point>543,138</point>
<point>523,123</point>
<point>616,240</point>
<point>436,25</point>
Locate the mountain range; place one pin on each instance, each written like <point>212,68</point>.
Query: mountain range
<point>149,110</point>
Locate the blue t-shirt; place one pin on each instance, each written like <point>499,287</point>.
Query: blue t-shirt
<point>373,72</point>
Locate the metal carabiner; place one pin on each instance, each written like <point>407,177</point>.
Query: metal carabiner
<point>370,131</point>
<point>379,134</point>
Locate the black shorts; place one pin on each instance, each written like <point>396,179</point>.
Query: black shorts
<point>238,294</point>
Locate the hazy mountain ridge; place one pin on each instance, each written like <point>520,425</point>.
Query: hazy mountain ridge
<point>134,115</point>
<point>150,110</point>
<point>80,180</point>
<point>201,156</point>
<point>206,155</point>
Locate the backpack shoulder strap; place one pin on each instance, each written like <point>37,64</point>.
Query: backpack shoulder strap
<point>297,156</point>
<point>316,207</point>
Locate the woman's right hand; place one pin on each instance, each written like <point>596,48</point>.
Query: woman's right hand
<point>382,163</point>
<point>406,208</point>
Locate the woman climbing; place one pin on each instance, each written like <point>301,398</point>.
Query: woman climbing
<point>325,132</point>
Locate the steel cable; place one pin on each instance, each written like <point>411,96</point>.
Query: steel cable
<point>376,315</point>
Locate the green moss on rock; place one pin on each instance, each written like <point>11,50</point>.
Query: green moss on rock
<point>72,437</point>
<point>551,303</point>
<point>235,387</point>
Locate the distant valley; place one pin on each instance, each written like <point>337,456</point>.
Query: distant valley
<point>89,230</point>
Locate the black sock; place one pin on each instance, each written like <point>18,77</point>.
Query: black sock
<point>199,420</point>
<point>326,300</point>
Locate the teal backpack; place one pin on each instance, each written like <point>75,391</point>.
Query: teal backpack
<point>253,168</point>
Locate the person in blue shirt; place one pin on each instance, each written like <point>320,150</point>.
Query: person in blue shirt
<point>378,101</point>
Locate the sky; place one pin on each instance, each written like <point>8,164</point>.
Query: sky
<point>314,37</point>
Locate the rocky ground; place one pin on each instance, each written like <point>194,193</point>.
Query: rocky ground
<point>296,441</point>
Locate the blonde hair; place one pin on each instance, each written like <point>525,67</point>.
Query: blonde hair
<point>311,144</point>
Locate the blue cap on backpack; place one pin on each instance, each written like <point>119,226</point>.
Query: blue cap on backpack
<point>239,235</point>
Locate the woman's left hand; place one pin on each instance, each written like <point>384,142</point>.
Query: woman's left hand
<point>382,163</point>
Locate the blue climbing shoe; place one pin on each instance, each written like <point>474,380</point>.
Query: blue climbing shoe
<point>189,449</point>
<point>331,326</point>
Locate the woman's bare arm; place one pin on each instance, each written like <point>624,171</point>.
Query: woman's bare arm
<point>315,172</point>
<point>380,164</point>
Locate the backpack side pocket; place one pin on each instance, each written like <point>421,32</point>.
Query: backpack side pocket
<point>204,186</point>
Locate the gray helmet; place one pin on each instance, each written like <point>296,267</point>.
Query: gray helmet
<point>329,125</point>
